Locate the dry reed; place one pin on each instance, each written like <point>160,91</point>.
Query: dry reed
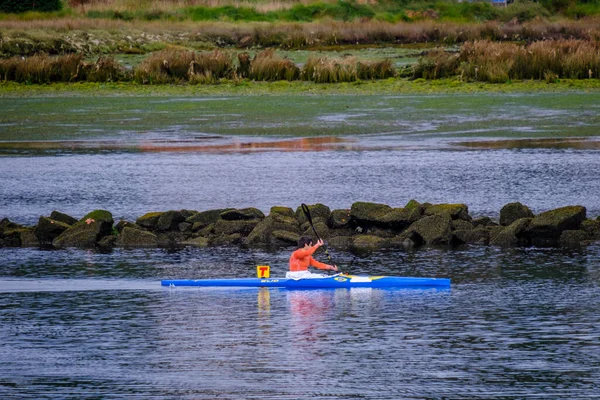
<point>499,62</point>
<point>268,66</point>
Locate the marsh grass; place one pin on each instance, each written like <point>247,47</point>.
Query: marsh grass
<point>347,69</point>
<point>269,66</point>
<point>66,68</point>
<point>492,62</point>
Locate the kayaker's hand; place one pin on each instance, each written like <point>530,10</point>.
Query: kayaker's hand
<point>319,243</point>
<point>334,268</point>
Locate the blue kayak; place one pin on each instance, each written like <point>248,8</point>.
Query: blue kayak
<point>336,281</point>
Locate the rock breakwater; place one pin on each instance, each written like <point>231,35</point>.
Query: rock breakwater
<point>363,227</point>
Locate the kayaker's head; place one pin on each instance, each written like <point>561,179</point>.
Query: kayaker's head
<point>304,241</point>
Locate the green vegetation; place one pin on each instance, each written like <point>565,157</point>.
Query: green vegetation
<point>348,10</point>
<point>20,6</point>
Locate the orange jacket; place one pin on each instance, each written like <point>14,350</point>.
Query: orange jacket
<point>302,258</point>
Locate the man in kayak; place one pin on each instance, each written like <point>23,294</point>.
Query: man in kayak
<point>302,258</point>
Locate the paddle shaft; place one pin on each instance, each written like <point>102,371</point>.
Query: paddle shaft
<point>306,211</point>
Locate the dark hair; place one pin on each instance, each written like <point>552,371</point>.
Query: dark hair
<point>304,240</point>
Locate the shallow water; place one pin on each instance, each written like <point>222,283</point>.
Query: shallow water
<point>515,324</point>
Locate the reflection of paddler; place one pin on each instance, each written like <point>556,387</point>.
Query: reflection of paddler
<point>264,301</point>
<point>308,309</point>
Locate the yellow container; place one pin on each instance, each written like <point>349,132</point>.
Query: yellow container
<point>263,271</point>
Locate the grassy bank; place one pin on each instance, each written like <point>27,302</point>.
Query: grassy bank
<point>391,86</point>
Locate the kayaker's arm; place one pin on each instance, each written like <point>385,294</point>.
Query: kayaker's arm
<point>306,252</point>
<point>321,265</point>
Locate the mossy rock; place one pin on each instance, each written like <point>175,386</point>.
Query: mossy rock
<point>285,222</point>
<point>169,221</point>
<point>573,238</point>
<point>516,234</point>
<point>459,224</point>
<point>456,211</point>
<point>434,229</point>
<point>592,228</point>
<point>184,227</point>
<point>62,217</point>
<point>286,237</point>
<point>87,231</point>
<point>229,227</point>
<point>514,211</point>
<point>341,242</point>
<point>281,210</point>
<point>6,224</point>
<point>494,230</point>
<point>318,212</point>
<point>339,219</point>
<point>472,236</point>
<point>415,205</point>
<point>205,218</point>
<point>122,224</point>
<point>149,220</point>
<point>197,242</point>
<point>322,230</point>
<point>131,237</point>
<point>48,229</point>
<point>365,213</point>
<point>107,242</point>
<point>10,238</point>
<point>227,240</point>
<point>483,221</point>
<point>367,243</point>
<point>170,239</point>
<point>399,218</point>
<point>550,224</point>
<point>243,214</point>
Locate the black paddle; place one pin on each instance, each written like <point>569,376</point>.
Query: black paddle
<point>309,218</point>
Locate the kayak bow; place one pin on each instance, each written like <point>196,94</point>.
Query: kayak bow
<point>336,281</point>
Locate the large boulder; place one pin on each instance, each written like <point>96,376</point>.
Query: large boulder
<point>368,214</point>
<point>456,211</point>
<point>263,231</point>
<point>149,220</point>
<point>87,231</point>
<point>573,238</point>
<point>48,229</point>
<point>592,228</point>
<point>169,221</point>
<point>516,234</point>
<point>10,238</point>
<point>471,236</point>
<point>318,213</point>
<point>321,228</point>
<point>341,242</point>
<point>339,219</point>
<point>205,218</point>
<point>281,210</point>
<point>229,227</point>
<point>284,237</point>
<point>434,229</point>
<point>483,221</point>
<point>546,228</point>
<point>62,217</point>
<point>123,223</point>
<point>243,214</point>
<point>363,243</point>
<point>514,211</point>
<point>132,237</point>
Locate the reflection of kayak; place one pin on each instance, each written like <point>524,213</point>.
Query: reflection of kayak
<point>336,281</point>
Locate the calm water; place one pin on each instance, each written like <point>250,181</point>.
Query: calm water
<point>518,323</point>
<point>515,324</point>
